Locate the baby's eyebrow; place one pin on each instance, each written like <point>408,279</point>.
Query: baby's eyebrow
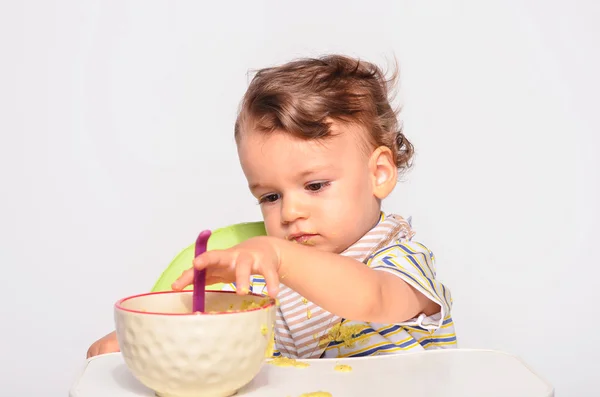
<point>302,174</point>
<point>311,171</point>
<point>254,186</point>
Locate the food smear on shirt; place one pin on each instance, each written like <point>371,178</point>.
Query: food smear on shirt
<point>345,334</point>
<point>308,314</point>
<point>287,362</point>
<point>342,368</point>
<point>264,330</point>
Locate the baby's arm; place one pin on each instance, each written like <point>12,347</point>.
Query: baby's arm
<point>106,344</point>
<point>350,289</point>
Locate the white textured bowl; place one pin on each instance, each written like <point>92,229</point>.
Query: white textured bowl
<point>178,353</point>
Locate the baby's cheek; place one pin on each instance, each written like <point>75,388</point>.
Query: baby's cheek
<point>272,226</point>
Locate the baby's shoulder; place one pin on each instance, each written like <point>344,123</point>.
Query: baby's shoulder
<point>403,247</point>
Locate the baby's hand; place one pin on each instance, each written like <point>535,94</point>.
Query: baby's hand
<point>258,255</point>
<point>106,344</point>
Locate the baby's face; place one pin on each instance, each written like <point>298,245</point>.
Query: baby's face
<point>318,193</point>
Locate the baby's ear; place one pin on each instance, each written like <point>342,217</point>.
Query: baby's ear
<point>383,172</point>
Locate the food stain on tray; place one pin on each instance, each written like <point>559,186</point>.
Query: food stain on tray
<point>342,368</point>
<point>288,362</point>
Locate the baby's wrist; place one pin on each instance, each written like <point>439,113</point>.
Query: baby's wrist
<point>282,250</point>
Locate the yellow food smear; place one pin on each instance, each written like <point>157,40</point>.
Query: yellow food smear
<point>317,394</point>
<point>309,243</point>
<point>263,329</point>
<point>342,368</point>
<point>246,305</point>
<point>344,334</point>
<point>250,304</point>
<point>308,314</point>
<point>287,362</point>
<point>304,300</point>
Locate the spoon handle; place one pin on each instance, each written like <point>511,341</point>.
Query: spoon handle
<point>200,276</point>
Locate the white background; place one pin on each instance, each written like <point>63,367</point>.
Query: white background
<point>116,121</point>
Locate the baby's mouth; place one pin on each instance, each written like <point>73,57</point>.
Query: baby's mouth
<point>303,238</point>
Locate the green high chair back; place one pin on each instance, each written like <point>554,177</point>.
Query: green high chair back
<point>222,238</point>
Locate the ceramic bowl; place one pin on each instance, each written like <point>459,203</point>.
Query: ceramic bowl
<point>178,353</point>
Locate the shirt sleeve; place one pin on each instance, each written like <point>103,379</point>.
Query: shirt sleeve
<point>257,286</point>
<point>415,264</point>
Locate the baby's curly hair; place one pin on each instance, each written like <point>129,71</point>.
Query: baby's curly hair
<point>302,97</point>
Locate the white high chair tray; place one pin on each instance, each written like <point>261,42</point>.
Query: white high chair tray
<point>440,373</point>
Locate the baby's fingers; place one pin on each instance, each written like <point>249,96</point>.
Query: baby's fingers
<point>207,259</point>
<point>243,268</point>
<point>272,281</point>
<point>186,278</point>
<point>223,258</point>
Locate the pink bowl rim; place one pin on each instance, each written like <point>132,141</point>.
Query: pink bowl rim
<point>119,303</point>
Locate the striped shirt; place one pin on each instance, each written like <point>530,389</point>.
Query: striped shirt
<point>305,330</point>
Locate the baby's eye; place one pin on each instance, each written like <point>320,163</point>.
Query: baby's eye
<point>316,186</point>
<point>268,198</point>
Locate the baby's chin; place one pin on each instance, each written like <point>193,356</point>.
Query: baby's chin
<point>324,246</point>
<point>320,243</point>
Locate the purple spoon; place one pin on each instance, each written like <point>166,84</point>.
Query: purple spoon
<point>200,275</point>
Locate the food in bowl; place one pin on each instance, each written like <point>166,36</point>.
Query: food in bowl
<point>178,353</point>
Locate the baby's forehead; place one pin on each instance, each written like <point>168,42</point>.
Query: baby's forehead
<point>279,153</point>
<point>340,134</point>
<point>285,146</point>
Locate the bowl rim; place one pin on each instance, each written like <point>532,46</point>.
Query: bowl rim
<point>119,304</point>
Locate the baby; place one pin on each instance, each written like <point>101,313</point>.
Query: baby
<point>321,147</point>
